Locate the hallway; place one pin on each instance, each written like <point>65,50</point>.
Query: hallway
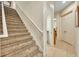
<point>63,30</point>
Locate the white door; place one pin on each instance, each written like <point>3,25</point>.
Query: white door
<point>68,28</point>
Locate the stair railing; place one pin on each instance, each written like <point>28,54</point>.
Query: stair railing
<point>4,25</point>
<point>35,31</point>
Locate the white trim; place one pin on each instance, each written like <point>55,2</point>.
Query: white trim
<point>5,32</point>
<point>44,27</point>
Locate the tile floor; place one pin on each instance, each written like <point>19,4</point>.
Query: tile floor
<point>61,50</point>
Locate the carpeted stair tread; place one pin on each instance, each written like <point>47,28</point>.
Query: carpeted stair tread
<point>16,48</point>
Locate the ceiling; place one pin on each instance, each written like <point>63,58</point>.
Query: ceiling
<point>59,6</point>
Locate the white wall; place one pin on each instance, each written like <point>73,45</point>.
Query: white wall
<point>31,14</point>
<point>34,10</point>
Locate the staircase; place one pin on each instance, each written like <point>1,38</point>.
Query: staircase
<point>19,43</point>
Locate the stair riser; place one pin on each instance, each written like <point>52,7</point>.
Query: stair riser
<point>13,23</point>
<point>13,20</point>
<point>14,26</point>
<point>11,12</point>
<point>17,29</point>
<point>11,34</point>
<point>9,26</point>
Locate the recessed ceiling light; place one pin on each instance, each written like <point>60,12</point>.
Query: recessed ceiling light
<point>63,2</point>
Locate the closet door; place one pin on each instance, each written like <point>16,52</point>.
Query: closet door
<point>68,31</point>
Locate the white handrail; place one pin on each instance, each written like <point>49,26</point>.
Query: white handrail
<point>4,25</point>
<point>35,24</point>
<point>32,22</point>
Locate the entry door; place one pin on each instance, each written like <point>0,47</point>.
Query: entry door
<point>68,25</point>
